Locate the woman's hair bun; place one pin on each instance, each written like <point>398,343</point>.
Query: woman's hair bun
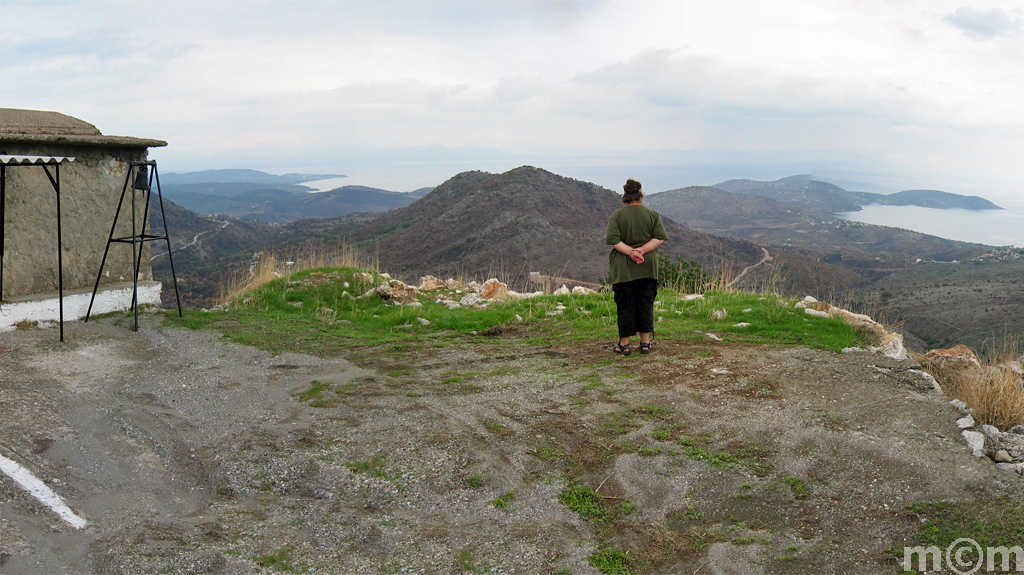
<point>632,191</point>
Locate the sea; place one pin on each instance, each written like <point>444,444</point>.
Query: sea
<point>991,227</point>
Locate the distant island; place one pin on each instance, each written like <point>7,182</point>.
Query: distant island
<point>927,199</point>
<point>803,190</point>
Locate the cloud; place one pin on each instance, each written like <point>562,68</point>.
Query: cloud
<point>995,23</point>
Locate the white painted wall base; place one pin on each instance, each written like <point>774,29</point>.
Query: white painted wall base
<point>46,307</point>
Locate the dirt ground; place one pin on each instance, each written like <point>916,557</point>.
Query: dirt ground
<point>189,454</point>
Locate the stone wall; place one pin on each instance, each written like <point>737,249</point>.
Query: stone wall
<point>90,189</point>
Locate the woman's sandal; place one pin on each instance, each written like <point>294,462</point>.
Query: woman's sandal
<point>622,349</point>
<point>646,348</point>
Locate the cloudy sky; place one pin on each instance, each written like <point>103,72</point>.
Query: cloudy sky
<point>876,95</point>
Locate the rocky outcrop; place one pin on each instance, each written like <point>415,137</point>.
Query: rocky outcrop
<point>886,343</point>
<point>451,292</point>
<point>953,360</point>
<point>1006,449</point>
<point>396,291</point>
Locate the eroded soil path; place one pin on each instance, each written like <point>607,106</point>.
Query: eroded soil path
<point>187,453</point>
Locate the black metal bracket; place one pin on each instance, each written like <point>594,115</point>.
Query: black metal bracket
<point>140,182</point>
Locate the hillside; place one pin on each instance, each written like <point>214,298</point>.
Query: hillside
<point>797,190</point>
<point>528,219</point>
<point>283,204</point>
<point>212,191</point>
<point>206,252</point>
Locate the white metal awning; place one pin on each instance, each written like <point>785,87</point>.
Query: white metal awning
<point>9,160</point>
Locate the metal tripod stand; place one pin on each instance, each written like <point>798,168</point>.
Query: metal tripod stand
<point>141,180</point>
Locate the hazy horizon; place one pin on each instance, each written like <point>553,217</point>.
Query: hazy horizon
<point>885,95</point>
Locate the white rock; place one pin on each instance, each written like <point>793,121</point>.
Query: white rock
<point>748,310</point>
<point>423,321</point>
<point>891,345</point>
<point>976,441</point>
<point>693,296</point>
<point>959,404</point>
<point>561,291</point>
<point>1002,456</point>
<point>470,299</point>
<point>928,378</point>
<point>990,431</point>
<point>519,317</point>
<point>741,324</point>
<point>814,312</point>
<point>713,337</point>
<point>854,350</point>
<point>965,422</point>
<point>580,290</point>
<point>719,314</point>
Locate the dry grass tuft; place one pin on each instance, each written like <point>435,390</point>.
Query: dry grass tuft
<point>994,394</point>
<point>267,267</point>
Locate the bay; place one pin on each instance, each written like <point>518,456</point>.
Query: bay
<point>990,227</point>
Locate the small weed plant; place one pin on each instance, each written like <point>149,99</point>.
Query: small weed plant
<point>505,500</point>
<point>611,561</point>
<point>584,501</point>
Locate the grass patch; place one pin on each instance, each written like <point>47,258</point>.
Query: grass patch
<point>661,433</point>
<point>584,501</point>
<point>322,310</point>
<point>549,453</point>
<point>688,513</point>
<point>790,555</point>
<point>797,486</point>
<point>496,428</point>
<point>314,395</point>
<point>373,466</point>
<point>611,561</point>
<point>474,481</point>
<point>747,458</point>
<point>468,561</point>
<point>990,524</point>
<point>652,411</point>
<point>280,560</point>
<point>504,501</point>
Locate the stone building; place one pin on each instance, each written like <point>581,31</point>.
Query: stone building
<point>92,174</point>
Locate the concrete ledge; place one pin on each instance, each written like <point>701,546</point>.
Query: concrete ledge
<point>46,307</point>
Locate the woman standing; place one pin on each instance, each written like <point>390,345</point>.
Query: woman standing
<point>634,232</point>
